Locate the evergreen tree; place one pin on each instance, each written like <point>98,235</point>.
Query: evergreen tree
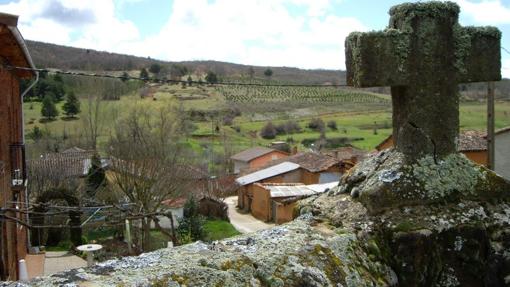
<point>125,77</point>
<point>268,72</point>
<point>144,74</point>
<point>72,105</point>
<point>191,224</point>
<point>95,175</point>
<point>211,77</point>
<point>155,68</point>
<point>49,109</point>
<point>190,80</point>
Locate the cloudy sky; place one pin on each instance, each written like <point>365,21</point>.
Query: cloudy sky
<point>297,33</point>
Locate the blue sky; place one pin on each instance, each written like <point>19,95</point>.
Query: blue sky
<point>297,33</point>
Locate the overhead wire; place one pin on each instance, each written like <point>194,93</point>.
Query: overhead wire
<point>168,81</point>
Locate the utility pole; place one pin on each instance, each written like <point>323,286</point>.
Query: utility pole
<point>490,125</point>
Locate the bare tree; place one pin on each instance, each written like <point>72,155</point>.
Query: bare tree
<point>147,161</point>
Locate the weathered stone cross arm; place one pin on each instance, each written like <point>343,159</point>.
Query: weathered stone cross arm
<point>423,55</point>
<point>383,58</point>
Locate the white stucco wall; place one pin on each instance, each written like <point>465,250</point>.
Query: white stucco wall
<point>165,222</point>
<point>502,154</point>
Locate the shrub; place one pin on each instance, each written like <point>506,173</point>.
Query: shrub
<point>268,131</point>
<point>332,125</point>
<point>317,124</point>
<point>191,225</point>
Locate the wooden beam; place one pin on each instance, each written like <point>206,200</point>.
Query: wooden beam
<point>490,125</point>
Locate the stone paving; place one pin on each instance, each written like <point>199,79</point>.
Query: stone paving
<point>56,262</point>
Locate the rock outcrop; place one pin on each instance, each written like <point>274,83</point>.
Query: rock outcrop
<point>458,237</point>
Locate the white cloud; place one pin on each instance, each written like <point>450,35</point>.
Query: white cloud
<point>88,24</point>
<point>505,69</point>
<point>486,12</point>
<point>255,32</point>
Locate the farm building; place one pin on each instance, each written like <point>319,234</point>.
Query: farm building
<point>276,202</point>
<point>255,157</point>
<point>473,144</point>
<point>13,179</point>
<point>306,168</point>
<point>502,152</point>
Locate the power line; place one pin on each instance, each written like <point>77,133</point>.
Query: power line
<point>168,81</point>
<point>504,49</point>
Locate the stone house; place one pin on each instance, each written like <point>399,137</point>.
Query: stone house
<point>255,157</point>
<point>502,152</point>
<point>472,144</point>
<point>13,172</point>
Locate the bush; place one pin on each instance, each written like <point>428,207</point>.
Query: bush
<point>289,127</point>
<point>268,131</point>
<point>332,125</point>
<point>317,125</point>
<point>191,225</point>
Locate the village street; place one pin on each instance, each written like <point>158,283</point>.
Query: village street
<point>244,223</point>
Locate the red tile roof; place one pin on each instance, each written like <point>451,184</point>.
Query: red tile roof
<point>175,202</point>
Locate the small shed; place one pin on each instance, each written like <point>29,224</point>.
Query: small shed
<point>276,202</point>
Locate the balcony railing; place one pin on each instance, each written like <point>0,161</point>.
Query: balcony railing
<point>18,166</point>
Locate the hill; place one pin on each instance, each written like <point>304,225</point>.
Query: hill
<point>47,55</point>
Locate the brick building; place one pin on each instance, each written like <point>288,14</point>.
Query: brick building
<point>305,168</point>
<point>473,144</point>
<point>13,194</point>
<point>256,157</point>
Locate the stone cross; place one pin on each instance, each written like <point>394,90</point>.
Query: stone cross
<point>423,55</point>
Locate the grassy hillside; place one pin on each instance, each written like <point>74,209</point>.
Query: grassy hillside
<point>364,118</point>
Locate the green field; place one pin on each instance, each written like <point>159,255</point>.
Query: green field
<point>356,114</point>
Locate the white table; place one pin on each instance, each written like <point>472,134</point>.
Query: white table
<point>89,249</point>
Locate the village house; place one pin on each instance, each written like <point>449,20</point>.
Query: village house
<point>472,144</point>
<point>13,175</point>
<point>305,168</point>
<point>502,152</point>
<point>255,157</point>
<point>276,201</point>
<point>70,163</point>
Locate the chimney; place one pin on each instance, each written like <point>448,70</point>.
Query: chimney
<point>8,20</point>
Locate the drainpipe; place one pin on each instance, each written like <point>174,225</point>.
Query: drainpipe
<point>29,242</point>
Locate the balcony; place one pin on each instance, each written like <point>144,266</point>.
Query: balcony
<point>18,166</point>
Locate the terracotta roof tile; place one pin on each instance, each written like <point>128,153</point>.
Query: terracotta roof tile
<point>472,141</point>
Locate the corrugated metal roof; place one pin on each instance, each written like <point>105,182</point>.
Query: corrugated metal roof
<point>267,173</point>
<point>298,190</point>
<point>252,153</point>
<point>322,187</point>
